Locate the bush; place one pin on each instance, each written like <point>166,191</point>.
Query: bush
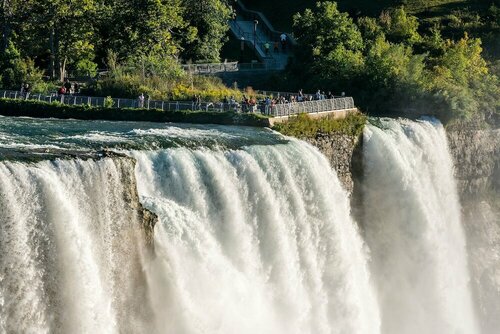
<point>304,126</point>
<point>108,102</point>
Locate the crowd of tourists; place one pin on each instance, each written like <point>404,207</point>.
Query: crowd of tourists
<point>69,88</point>
<point>252,104</point>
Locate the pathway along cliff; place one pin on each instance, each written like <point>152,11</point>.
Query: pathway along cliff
<point>253,233</point>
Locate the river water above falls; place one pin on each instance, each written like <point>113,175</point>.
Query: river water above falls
<point>254,232</point>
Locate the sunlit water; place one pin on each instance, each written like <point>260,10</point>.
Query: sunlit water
<point>254,234</point>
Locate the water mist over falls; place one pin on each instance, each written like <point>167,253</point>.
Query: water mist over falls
<point>413,228</point>
<point>251,238</point>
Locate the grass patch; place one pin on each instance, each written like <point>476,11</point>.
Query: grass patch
<point>304,126</point>
<point>10,107</point>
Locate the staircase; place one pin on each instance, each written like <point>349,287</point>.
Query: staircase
<point>243,29</point>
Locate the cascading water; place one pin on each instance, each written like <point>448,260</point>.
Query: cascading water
<point>250,239</point>
<point>413,228</point>
<point>254,241</point>
<point>254,233</point>
<point>70,248</point>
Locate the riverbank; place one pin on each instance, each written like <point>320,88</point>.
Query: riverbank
<point>36,109</point>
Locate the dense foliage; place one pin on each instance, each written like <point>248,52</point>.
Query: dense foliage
<point>76,35</point>
<point>390,65</point>
<point>162,80</point>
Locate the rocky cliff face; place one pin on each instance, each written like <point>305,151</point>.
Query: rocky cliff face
<point>476,153</point>
<point>148,218</point>
<point>340,149</point>
<point>477,161</point>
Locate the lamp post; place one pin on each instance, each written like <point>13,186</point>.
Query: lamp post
<point>242,48</point>
<point>255,22</point>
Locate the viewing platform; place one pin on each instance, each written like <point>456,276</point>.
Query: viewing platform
<point>269,112</point>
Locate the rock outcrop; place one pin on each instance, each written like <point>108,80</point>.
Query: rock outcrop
<point>476,151</point>
<point>340,150</point>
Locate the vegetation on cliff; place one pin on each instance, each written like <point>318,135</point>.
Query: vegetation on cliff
<point>304,126</point>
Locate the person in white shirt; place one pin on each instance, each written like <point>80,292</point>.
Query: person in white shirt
<point>283,39</point>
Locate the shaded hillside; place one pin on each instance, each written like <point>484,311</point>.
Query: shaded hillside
<point>280,12</point>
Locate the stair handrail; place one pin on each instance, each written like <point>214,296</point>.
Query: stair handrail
<point>268,28</point>
<point>249,40</point>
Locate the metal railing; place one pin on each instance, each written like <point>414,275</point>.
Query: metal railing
<point>211,68</point>
<point>119,102</point>
<point>253,41</point>
<point>309,107</point>
<point>265,25</point>
<point>274,110</point>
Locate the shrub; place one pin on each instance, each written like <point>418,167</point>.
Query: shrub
<point>304,126</point>
<point>108,102</point>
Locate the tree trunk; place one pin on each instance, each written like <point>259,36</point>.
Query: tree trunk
<point>62,69</point>
<point>6,13</point>
<point>52,62</point>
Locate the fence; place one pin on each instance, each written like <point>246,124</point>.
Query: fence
<point>277,110</point>
<point>118,102</point>
<point>211,68</point>
<point>309,107</point>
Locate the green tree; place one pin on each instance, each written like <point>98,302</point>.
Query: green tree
<point>137,28</point>
<point>209,20</point>
<point>64,30</point>
<point>330,43</point>
<point>399,26</point>
<point>15,70</point>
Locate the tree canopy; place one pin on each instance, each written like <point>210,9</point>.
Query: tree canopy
<point>388,63</point>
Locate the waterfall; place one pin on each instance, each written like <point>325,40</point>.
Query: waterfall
<point>70,248</point>
<point>251,240</point>
<point>254,234</point>
<point>413,227</point>
<point>257,240</point>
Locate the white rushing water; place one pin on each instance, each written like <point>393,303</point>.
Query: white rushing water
<point>250,239</point>
<point>257,240</point>
<point>254,241</point>
<point>69,248</point>
<point>413,227</point>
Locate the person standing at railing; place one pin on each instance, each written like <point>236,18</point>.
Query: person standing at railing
<point>283,39</point>
<point>276,47</point>
<point>61,90</point>
<point>267,46</point>
<point>141,101</point>
<point>27,89</point>
<point>67,86</point>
